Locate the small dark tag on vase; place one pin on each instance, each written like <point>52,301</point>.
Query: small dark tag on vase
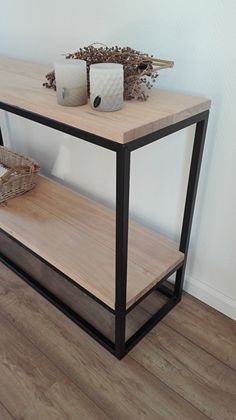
<point>97,101</point>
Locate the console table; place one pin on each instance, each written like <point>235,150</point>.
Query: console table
<point>97,266</point>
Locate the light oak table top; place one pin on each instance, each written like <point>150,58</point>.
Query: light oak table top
<point>21,86</point>
<point>77,236</point>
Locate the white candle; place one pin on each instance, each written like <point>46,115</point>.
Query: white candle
<point>106,86</point>
<point>71,82</point>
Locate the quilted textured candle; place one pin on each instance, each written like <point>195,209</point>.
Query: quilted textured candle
<point>71,82</point>
<point>106,86</point>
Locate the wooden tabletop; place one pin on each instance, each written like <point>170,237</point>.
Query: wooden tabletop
<point>84,245</point>
<point>21,86</point>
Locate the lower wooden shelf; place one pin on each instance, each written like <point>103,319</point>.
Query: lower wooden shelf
<point>77,236</point>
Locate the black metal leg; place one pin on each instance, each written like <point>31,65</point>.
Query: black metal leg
<point>1,138</point>
<point>122,226</point>
<point>196,160</point>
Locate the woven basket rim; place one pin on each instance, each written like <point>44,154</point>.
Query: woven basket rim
<point>19,155</point>
<point>21,174</point>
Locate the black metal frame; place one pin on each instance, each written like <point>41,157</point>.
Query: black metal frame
<point>123,155</point>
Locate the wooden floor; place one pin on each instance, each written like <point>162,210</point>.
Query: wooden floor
<point>50,369</point>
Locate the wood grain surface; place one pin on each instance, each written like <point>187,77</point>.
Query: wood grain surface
<point>218,338</point>
<point>4,413</point>
<point>171,374</point>
<point>122,389</point>
<point>40,388</point>
<point>82,304</point>
<point>77,236</point>
<point>21,86</point>
<point>191,372</point>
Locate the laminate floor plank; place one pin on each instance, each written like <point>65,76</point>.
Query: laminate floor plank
<point>33,388</point>
<point>191,372</point>
<point>206,327</point>
<point>4,413</point>
<point>122,389</point>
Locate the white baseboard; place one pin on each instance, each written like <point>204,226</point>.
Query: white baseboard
<point>211,296</point>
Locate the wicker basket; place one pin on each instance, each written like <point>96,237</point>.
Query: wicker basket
<point>20,175</point>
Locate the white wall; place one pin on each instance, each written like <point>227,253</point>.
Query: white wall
<point>200,36</point>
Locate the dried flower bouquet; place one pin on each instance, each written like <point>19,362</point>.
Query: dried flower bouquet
<point>140,69</point>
